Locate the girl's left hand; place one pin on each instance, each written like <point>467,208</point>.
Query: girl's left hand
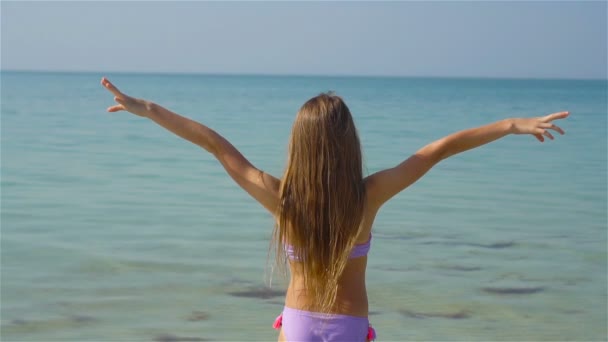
<point>539,127</point>
<point>125,102</point>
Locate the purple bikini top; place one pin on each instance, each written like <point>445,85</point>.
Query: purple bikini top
<point>358,251</point>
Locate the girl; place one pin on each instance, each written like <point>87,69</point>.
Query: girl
<point>323,206</point>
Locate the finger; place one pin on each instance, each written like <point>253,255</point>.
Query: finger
<point>548,135</point>
<point>106,83</point>
<point>120,99</point>
<point>116,108</point>
<point>553,127</point>
<point>539,133</point>
<point>556,116</point>
<point>558,129</point>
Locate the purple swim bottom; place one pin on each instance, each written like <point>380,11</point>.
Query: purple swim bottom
<point>299,325</point>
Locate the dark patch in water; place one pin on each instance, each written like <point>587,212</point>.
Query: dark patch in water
<point>460,268</point>
<point>497,245</point>
<point>451,315</point>
<point>19,321</point>
<point>573,312</point>
<point>373,313</point>
<point>432,243</point>
<point>261,292</point>
<point>174,338</point>
<point>512,290</point>
<point>235,280</point>
<point>82,318</point>
<point>197,316</point>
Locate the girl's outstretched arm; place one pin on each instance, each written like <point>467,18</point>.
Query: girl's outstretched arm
<point>383,185</point>
<point>260,185</point>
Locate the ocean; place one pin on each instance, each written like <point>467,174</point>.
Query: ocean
<point>113,229</point>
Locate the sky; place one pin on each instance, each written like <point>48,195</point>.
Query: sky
<point>435,39</point>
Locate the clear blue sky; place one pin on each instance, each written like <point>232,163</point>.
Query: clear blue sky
<point>470,39</point>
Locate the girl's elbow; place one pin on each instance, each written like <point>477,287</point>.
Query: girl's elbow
<point>440,150</point>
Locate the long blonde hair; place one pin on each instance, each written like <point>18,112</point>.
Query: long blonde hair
<point>321,196</point>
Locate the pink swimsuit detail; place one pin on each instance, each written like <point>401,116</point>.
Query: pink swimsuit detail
<point>300,325</point>
<point>358,251</point>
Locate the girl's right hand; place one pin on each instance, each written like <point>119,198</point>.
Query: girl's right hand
<point>539,127</point>
<point>125,102</point>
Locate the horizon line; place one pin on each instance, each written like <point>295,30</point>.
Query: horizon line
<point>259,74</point>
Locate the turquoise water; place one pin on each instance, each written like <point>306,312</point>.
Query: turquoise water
<point>114,229</point>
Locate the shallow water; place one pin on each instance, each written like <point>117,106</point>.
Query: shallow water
<point>113,229</point>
